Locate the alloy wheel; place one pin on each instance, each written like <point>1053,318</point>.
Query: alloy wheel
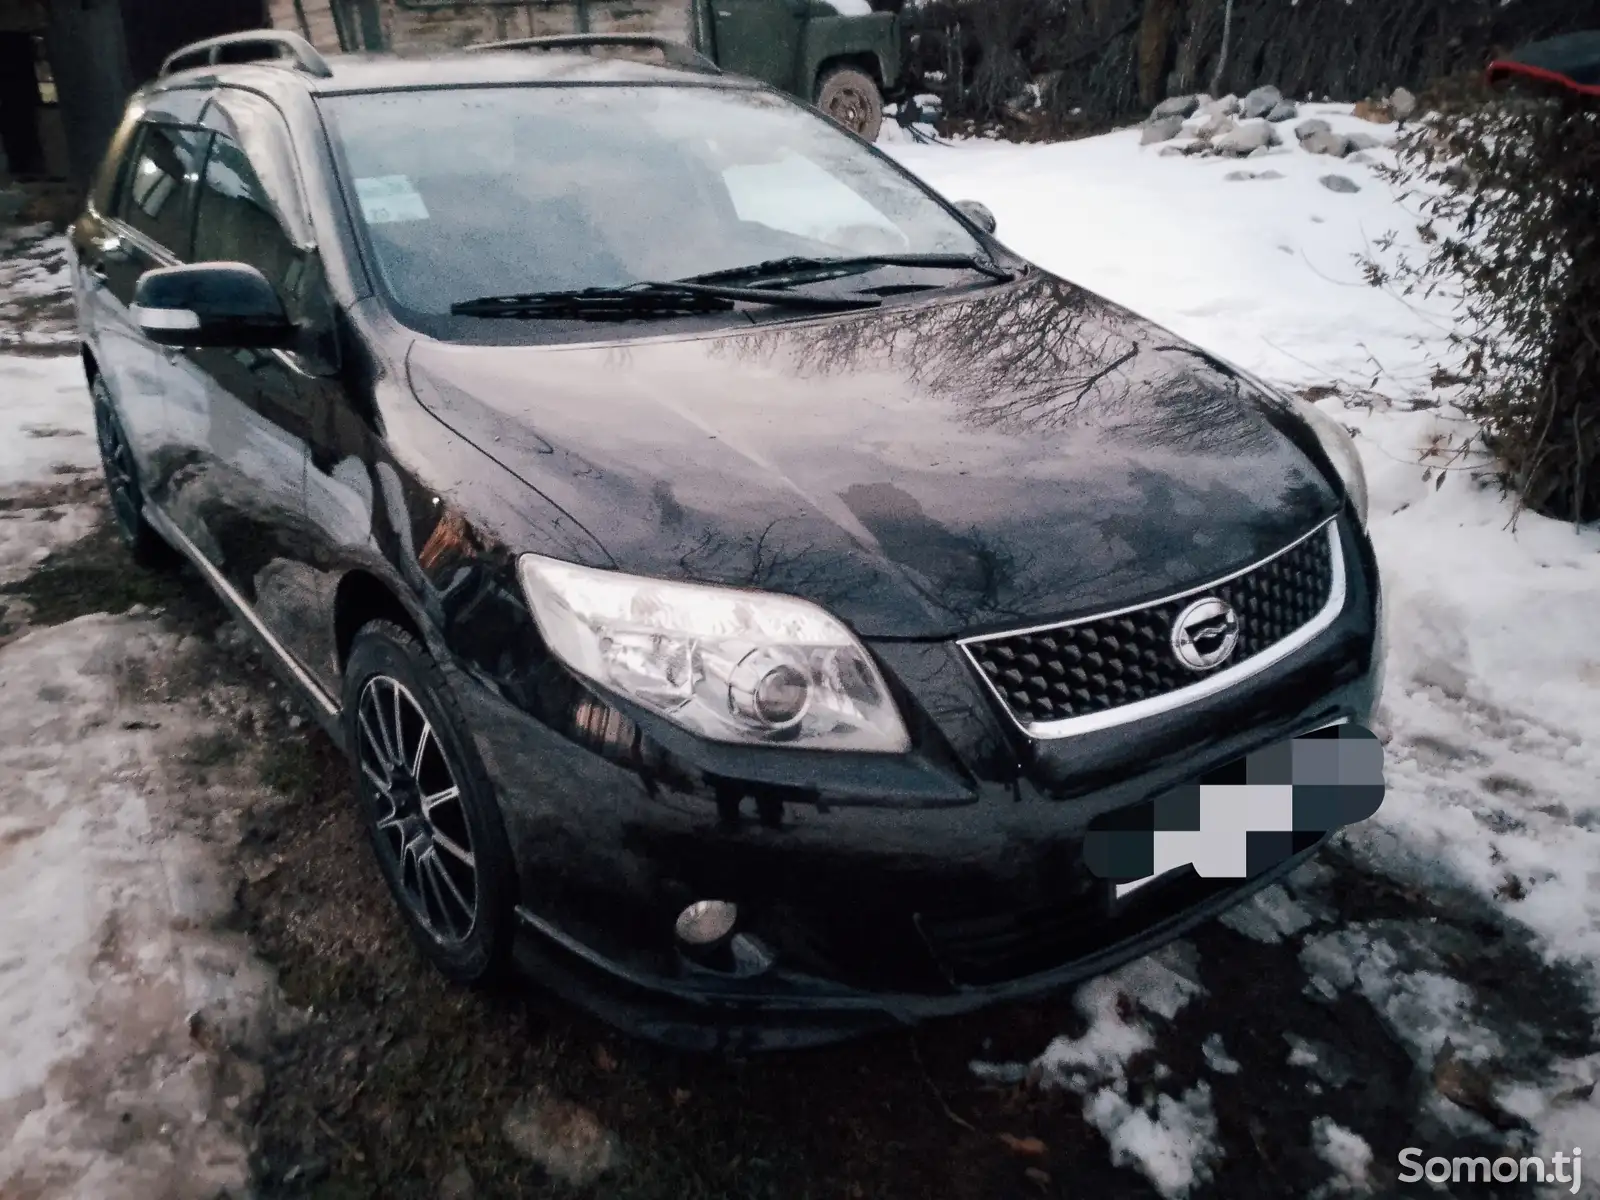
<point>117,460</point>
<point>421,822</point>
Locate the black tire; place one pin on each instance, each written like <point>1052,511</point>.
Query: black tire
<point>851,97</point>
<point>461,837</point>
<point>123,491</point>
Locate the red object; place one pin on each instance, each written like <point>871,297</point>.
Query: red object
<point>1501,68</point>
<point>1571,63</point>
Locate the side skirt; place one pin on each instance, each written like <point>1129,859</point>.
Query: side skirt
<point>326,707</point>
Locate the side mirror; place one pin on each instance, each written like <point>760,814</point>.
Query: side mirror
<point>211,304</point>
<point>978,214</point>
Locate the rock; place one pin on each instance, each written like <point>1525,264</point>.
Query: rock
<point>1163,130</point>
<point>1284,110</point>
<point>1245,138</point>
<point>1362,157</point>
<point>1335,144</point>
<point>1259,152</point>
<point>1260,102</point>
<point>1241,176</point>
<point>1339,183</point>
<point>1315,125</point>
<point>1376,111</point>
<point>1403,104</point>
<point>1362,141</point>
<point>1215,126</point>
<point>458,1184</point>
<point>566,1139</point>
<point>1174,152</point>
<point>1175,106</point>
<point>1214,109</point>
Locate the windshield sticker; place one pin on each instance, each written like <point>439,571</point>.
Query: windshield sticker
<point>388,198</point>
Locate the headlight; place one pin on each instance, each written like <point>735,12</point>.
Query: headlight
<point>738,666</point>
<point>1341,450</point>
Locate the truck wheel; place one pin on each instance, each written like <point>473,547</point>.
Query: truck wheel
<point>851,97</point>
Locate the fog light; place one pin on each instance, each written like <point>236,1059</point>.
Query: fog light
<point>706,923</point>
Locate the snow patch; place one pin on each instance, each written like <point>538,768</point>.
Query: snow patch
<point>1346,1152</point>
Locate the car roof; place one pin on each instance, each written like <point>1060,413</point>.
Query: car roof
<point>493,68</point>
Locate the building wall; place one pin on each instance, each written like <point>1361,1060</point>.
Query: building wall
<point>88,53</point>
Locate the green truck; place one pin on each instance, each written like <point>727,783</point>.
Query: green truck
<point>843,56</point>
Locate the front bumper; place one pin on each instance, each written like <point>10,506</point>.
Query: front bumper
<point>887,890</point>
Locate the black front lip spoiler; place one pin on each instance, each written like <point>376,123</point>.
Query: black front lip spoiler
<point>782,1010</point>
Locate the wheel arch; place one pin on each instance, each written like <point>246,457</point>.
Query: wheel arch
<point>362,597</point>
<point>862,60</point>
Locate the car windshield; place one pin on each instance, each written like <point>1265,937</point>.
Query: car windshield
<point>487,191</point>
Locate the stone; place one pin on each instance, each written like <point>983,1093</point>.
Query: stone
<point>1259,152</point>
<point>1284,110</point>
<point>1245,138</point>
<point>1362,141</point>
<point>1339,183</point>
<point>566,1139</point>
<point>1260,102</point>
<point>1241,176</point>
<point>1226,107</point>
<point>1163,130</point>
<point>1334,144</point>
<point>1175,106</point>
<point>1174,152</point>
<point>1215,126</point>
<point>1403,104</point>
<point>1315,125</point>
<point>1361,157</point>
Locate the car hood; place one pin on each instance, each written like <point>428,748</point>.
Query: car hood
<point>1025,452</point>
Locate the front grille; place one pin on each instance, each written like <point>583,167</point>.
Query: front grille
<point>1092,666</point>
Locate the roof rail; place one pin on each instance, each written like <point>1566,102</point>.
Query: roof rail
<point>676,53</point>
<point>262,45</point>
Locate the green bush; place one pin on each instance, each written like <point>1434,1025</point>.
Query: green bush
<point>1508,186</point>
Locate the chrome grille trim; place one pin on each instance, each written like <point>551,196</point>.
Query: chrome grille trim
<point>1209,685</point>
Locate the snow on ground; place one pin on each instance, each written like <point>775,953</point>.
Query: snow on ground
<point>46,425</point>
<point>121,1004</point>
<point>1493,685</point>
<point>35,308</point>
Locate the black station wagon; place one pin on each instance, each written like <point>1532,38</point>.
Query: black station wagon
<point>740,583</point>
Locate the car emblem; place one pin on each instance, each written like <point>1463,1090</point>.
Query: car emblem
<point>1205,634</point>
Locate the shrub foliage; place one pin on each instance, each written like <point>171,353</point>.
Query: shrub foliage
<point>1508,187</point>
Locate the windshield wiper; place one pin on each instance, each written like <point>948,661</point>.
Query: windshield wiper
<point>847,264</point>
<point>648,299</point>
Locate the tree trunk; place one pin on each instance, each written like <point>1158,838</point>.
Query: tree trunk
<point>1222,56</point>
<point>1155,38</point>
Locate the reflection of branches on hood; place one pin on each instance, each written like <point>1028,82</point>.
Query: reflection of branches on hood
<point>1032,360</point>
<point>765,562</point>
<point>1027,359</point>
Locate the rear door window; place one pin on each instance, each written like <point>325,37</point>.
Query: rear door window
<point>158,186</point>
